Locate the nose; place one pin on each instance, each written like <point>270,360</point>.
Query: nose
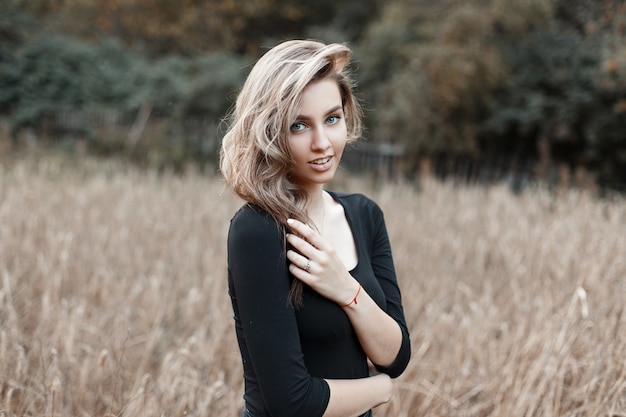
<point>320,140</point>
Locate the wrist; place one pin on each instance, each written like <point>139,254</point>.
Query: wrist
<point>385,387</point>
<point>354,297</point>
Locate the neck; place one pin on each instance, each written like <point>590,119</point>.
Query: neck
<point>315,208</point>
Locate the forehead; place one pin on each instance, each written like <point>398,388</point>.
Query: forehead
<point>320,96</point>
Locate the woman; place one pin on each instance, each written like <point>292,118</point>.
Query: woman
<point>310,272</point>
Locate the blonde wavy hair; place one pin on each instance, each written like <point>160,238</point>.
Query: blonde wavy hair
<point>255,157</point>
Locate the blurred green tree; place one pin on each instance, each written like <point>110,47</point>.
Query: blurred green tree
<point>550,95</point>
<point>53,73</point>
<point>493,77</point>
<point>565,99</point>
<point>446,77</point>
<point>430,68</point>
<point>160,27</point>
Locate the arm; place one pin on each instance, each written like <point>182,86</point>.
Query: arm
<point>383,266</point>
<point>382,333</point>
<point>266,326</point>
<point>260,287</point>
<point>354,397</point>
<point>379,334</point>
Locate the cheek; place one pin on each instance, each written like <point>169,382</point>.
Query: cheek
<point>297,148</point>
<point>339,139</point>
<point>339,150</point>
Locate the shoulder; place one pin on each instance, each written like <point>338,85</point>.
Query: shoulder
<point>251,222</point>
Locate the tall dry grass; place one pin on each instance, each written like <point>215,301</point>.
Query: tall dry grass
<point>113,296</point>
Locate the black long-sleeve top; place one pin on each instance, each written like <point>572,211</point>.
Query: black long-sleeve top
<point>286,351</point>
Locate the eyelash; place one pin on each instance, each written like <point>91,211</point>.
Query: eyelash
<point>336,118</point>
<point>294,129</point>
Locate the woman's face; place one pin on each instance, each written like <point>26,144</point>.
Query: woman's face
<point>318,135</point>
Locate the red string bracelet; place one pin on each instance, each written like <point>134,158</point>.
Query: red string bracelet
<point>355,296</point>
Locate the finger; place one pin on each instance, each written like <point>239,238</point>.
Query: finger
<point>300,261</point>
<point>299,273</point>
<point>300,227</point>
<point>299,270</point>
<point>308,233</point>
<point>301,245</point>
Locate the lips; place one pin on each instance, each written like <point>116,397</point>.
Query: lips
<point>321,161</point>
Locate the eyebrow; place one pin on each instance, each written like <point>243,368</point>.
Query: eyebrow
<point>333,110</point>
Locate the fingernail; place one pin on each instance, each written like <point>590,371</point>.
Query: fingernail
<point>289,221</point>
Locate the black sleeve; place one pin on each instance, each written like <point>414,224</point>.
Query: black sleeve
<point>260,285</point>
<point>382,264</point>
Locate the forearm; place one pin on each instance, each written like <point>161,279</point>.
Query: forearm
<point>353,397</point>
<point>317,264</point>
<point>379,334</point>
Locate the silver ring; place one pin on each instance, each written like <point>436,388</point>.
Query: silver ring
<point>307,266</point>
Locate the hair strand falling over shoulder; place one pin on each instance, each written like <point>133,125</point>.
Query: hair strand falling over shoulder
<point>255,157</point>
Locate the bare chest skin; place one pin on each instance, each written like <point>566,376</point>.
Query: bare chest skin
<point>337,232</point>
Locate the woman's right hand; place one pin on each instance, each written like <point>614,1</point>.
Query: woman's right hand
<point>316,263</point>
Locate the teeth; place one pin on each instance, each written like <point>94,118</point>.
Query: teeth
<point>321,161</point>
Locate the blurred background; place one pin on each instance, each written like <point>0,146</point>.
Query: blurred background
<point>113,217</point>
<point>479,90</point>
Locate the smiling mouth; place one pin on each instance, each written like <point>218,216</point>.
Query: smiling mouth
<point>321,161</point>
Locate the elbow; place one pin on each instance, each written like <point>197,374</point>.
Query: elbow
<point>308,399</point>
<point>400,363</point>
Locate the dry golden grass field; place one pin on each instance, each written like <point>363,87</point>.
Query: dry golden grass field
<point>113,297</point>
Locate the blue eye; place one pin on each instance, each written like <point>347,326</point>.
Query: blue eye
<point>297,127</point>
<point>332,119</point>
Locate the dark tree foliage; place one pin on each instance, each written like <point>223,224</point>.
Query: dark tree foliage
<point>550,94</point>
<point>451,77</point>
<point>564,95</point>
<point>53,73</point>
<point>429,69</point>
<point>161,27</point>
